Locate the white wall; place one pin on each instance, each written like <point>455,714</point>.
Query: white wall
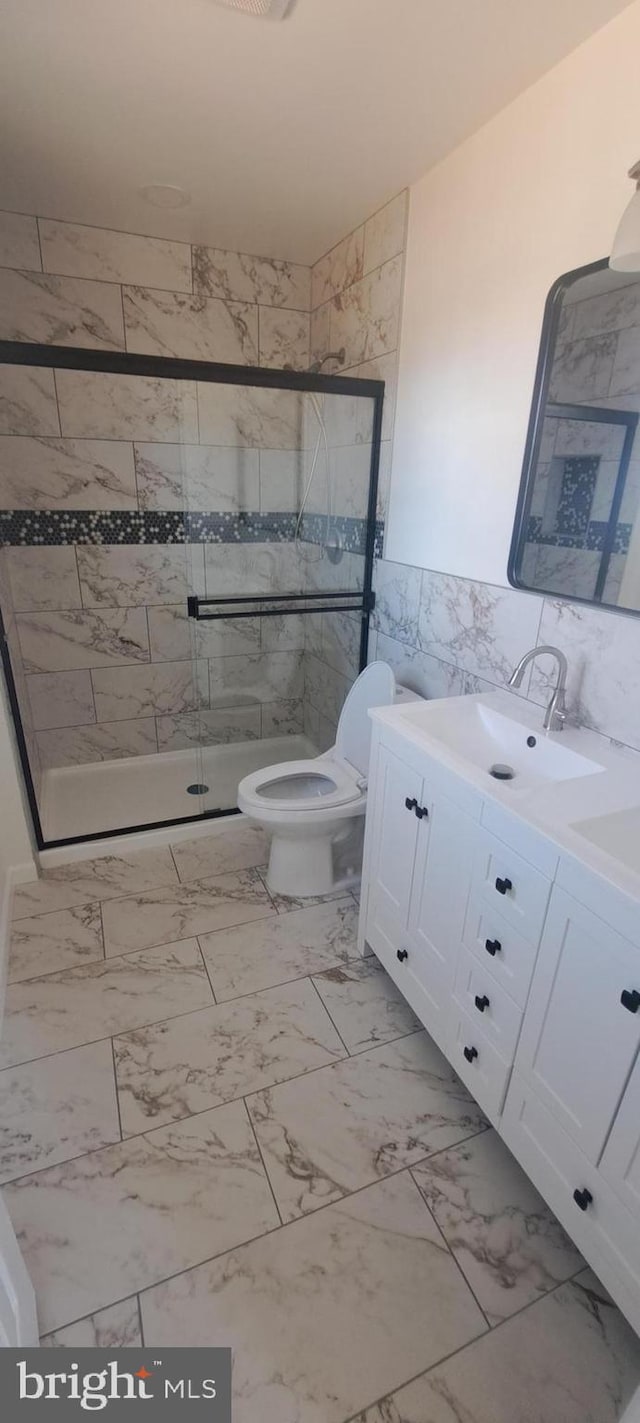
<point>537,191</point>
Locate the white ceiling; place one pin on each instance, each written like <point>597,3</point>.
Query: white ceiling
<point>286,134</point>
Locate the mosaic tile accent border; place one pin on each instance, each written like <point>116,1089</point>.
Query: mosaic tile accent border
<point>578,487</point>
<point>25,528</point>
<point>353,532</point>
<point>592,538</point>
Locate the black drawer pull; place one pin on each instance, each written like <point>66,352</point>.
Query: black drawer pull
<point>422,812</point>
<point>630,998</point>
<point>481,1003</point>
<point>411,803</point>
<point>493,946</point>
<point>503,885</point>
<point>583,1198</point>
<point>401,955</point>
<point>470,1053</point>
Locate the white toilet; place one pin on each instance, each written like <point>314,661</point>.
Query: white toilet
<point>310,807</point>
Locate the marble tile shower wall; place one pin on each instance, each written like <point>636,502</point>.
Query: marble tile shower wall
<point>97,473</point>
<point>446,636</point>
<point>13,645</point>
<point>356,296</point>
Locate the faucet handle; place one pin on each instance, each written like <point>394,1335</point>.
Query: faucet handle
<point>556,713</point>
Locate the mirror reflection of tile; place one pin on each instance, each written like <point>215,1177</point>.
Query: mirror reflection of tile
<point>585,489</point>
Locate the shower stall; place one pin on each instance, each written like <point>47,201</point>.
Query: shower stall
<point>186,553</point>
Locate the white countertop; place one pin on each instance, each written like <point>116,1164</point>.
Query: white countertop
<point>554,807</point>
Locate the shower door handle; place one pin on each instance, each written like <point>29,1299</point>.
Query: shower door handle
<point>276,605</point>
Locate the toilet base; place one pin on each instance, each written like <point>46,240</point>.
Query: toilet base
<point>304,865</point>
<point>301,868</point>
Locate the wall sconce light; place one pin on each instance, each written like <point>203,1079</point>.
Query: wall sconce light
<point>625,255</point>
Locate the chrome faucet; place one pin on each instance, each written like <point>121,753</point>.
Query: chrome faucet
<point>555,715</point>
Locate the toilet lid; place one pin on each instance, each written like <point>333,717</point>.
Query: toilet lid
<point>375,687</point>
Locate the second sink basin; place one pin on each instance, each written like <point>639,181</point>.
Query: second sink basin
<point>618,834</point>
<point>511,749</point>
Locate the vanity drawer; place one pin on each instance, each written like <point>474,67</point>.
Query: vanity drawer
<point>487,1005</point>
<point>475,1059</point>
<point>509,956</point>
<point>511,885</point>
<point>604,1229</point>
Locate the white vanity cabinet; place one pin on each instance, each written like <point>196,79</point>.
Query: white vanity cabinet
<point>532,996</point>
<point>419,850</point>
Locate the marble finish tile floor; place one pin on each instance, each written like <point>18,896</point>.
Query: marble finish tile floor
<point>117,1327</point>
<point>59,940</point>
<point>364,1004</point>
<point>219,1125</point>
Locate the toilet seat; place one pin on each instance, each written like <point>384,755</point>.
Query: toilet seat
<point>319,783</point>
<point>338,778</point>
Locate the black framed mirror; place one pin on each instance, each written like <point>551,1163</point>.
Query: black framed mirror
<point>577,525</point>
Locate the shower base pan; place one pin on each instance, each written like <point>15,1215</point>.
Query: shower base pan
<point>106,796</point>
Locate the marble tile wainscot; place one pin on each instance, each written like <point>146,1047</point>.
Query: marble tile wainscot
<point>445,636</point>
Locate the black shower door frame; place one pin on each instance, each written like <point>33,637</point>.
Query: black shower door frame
<point>77,358</point>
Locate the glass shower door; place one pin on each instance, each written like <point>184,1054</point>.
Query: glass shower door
<point>243,501</point>
<point>94,577</point>
<point>285,568</point>
<point>134,488</point>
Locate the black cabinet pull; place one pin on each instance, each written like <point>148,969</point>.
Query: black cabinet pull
<point>493,946</point>
<point>503,885</point>
<point>470,1053</point>
<point>630,998</point>
<point>420,811</point>
<point>481,1003</point>
<point>583,1198</point>
<point>401,955</point>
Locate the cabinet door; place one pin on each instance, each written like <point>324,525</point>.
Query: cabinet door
<point>397,797</point>
<point>595,1218</point>
<point>620,1164</point>
<point>441,885</point>
<point>579,1039</point>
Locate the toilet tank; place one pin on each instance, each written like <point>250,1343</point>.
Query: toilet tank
<point>404,694</point>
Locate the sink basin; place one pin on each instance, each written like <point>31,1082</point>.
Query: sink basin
<point>618,834</point>
<point>512,749</point>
